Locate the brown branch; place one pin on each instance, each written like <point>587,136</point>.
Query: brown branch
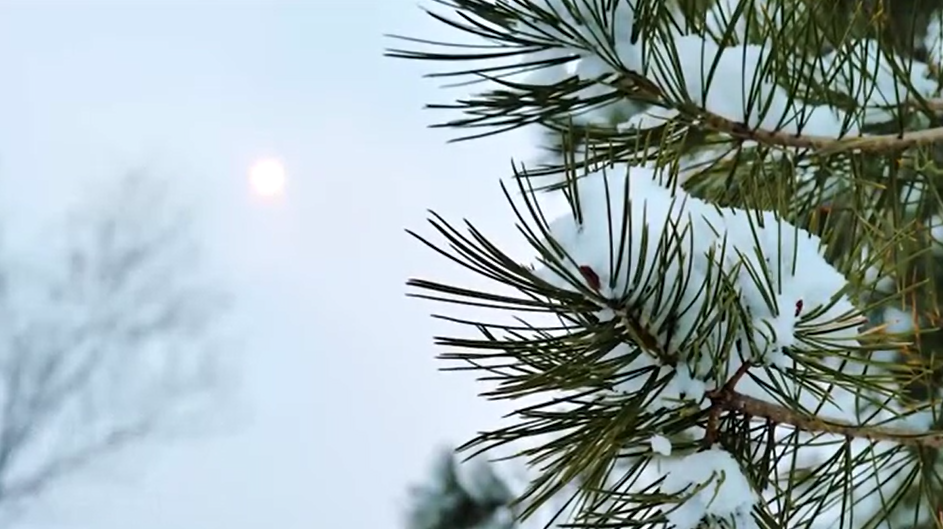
<point>713,416</point>
<point>742,370</point>
<point>732,401</point>
<point>643,89</point>
<point>726,398</point>
<point>825,144</point>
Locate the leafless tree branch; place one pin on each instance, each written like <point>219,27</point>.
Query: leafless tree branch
<point>101,361</point>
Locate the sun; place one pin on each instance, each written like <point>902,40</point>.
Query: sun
<point>267,178</point>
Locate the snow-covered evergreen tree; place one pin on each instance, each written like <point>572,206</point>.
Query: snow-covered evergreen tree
<point>734,321</point>
<point>460,495</point>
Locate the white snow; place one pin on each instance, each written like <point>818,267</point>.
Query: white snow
<point>712,486</point>
<point>935,223</point>
<point>661,445</point>
<point>724,81</point>
<point>934,38</point>
<point>772,259</point>
<point>864,71</point>
<point>593,58</point>
<point>898,321</point>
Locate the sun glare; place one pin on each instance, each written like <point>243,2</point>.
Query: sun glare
<point>267,178</point>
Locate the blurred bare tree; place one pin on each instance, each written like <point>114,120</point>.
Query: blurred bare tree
<point>105,340</point>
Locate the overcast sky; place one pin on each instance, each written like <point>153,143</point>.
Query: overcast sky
<point>340,404</point>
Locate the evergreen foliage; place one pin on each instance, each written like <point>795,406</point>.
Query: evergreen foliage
<point>735,322</point>
<point>458,499</point>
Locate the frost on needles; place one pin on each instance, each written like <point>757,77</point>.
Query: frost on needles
<point>733,322</point>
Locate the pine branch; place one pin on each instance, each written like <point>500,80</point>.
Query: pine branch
<point>874,144</point>
<point>778,210</point>
<point>729,400</point>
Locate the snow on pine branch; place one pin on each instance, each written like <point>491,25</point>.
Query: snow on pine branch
<point>664,263</point>
<point>865,71</point>
<point>741,87</point>
<point>712,486</point>
<point>711,481</point>
<point>732,82</point>
<point>677,257</point>
<point>726,303</point>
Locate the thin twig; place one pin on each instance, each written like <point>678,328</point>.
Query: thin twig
<point>826,144</point>
<point>713,416</point>
<point>733,401</point>
<point>742,370</point>
<point>727,398</point>
<point>645,90</point>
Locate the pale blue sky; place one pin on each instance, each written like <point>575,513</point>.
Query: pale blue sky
<point>340,403</point>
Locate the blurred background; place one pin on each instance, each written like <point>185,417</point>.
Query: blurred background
<point>203,257</point>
